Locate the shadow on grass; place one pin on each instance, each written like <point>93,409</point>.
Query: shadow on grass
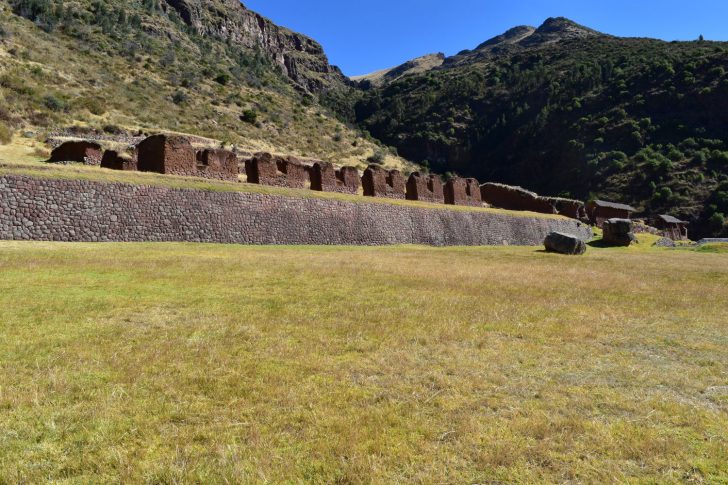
<point>598,243</point>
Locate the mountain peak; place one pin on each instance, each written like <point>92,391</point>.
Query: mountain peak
<point>556,29</point>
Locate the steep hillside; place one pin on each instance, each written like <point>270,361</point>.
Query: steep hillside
<point>209,68</point>
<point>563,109</point>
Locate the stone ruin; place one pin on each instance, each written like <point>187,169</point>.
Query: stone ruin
<point>217,164</point>
<point>175,155</point>
<point>575,209</point>
<point>267,169</point>
<point>119,161</point>
<point>171,155</point>
<point>460,191</point>
<point>378,182</point>
<point>325,178</point>
<point>425,188</point>
<point>86,152</point>
<point>515,198</point>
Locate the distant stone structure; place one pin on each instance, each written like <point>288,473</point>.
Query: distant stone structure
<point>217,164</point>
<point>618,232</point>
<point>267,169</point>
<point>167,154</point>
<point>672,227</point>
<point>515,198</point>
<point>460,191</point>
<point>379,182</point>
<point>425,188</point>
<point>86,152</point>
<point>118,161</point>
<point>325,178</point>
<point>575,209</point>
<point>600,211</point>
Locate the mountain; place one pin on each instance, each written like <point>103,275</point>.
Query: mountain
<point>301,58</point>
<point>565,110</point>
<point>211,68</point>
<point>386,76</point>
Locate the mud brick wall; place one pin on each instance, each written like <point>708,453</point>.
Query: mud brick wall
<point>80,210</point>
<point>460,191</point>
<point>425,188</point>
<point>217,164</point>
<point>268,169</point>
<point>515,198</point>
<point>379,182</point>
<point>172,155</point>
<point>85,152</point>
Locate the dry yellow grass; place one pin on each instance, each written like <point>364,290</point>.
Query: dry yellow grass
<point>182,363</point>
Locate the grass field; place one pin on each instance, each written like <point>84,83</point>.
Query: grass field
<point>182,363</point>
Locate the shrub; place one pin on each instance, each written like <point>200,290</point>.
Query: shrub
<point>716,222</point>
<point>113,129</point>
<point>378,158</point>
<point>223,79</point>
<point>249,116</point>
<point>54,103</point>
<point>179,97</point>
<point>6,134</point>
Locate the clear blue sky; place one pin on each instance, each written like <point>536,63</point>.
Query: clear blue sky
<point>362,36</point>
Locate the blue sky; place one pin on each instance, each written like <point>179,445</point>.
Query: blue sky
<point>365,36</point>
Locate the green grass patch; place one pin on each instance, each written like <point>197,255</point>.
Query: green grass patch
<point>713,248</point>
<point>184,363</point>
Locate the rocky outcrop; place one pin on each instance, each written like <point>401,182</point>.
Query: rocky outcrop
<point>300,58</point>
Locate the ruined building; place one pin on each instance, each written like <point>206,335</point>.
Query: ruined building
<point>425,188</point>
<point>379,182</point>
<point>326,178</point>
<point>460,191</point>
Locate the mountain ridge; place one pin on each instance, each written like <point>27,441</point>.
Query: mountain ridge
<point>565,110</point>
<point>553,30</point>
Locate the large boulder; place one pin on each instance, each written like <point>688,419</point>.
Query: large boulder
<point>558,242</point>
<point>619,232</point>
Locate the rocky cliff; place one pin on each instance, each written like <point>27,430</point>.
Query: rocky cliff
<point>301,58</point>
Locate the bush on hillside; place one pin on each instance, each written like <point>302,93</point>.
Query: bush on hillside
<point>249,116</point>
<point>378,157</point>
<point>54,103</point>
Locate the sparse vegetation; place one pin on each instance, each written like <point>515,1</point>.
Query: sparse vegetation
<point>6,134</point>
<point>182,363</point>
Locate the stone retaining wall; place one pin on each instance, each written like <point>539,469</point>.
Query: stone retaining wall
<point>78,210</point>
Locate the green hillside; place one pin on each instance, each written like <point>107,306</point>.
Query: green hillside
<point>564,110</point>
